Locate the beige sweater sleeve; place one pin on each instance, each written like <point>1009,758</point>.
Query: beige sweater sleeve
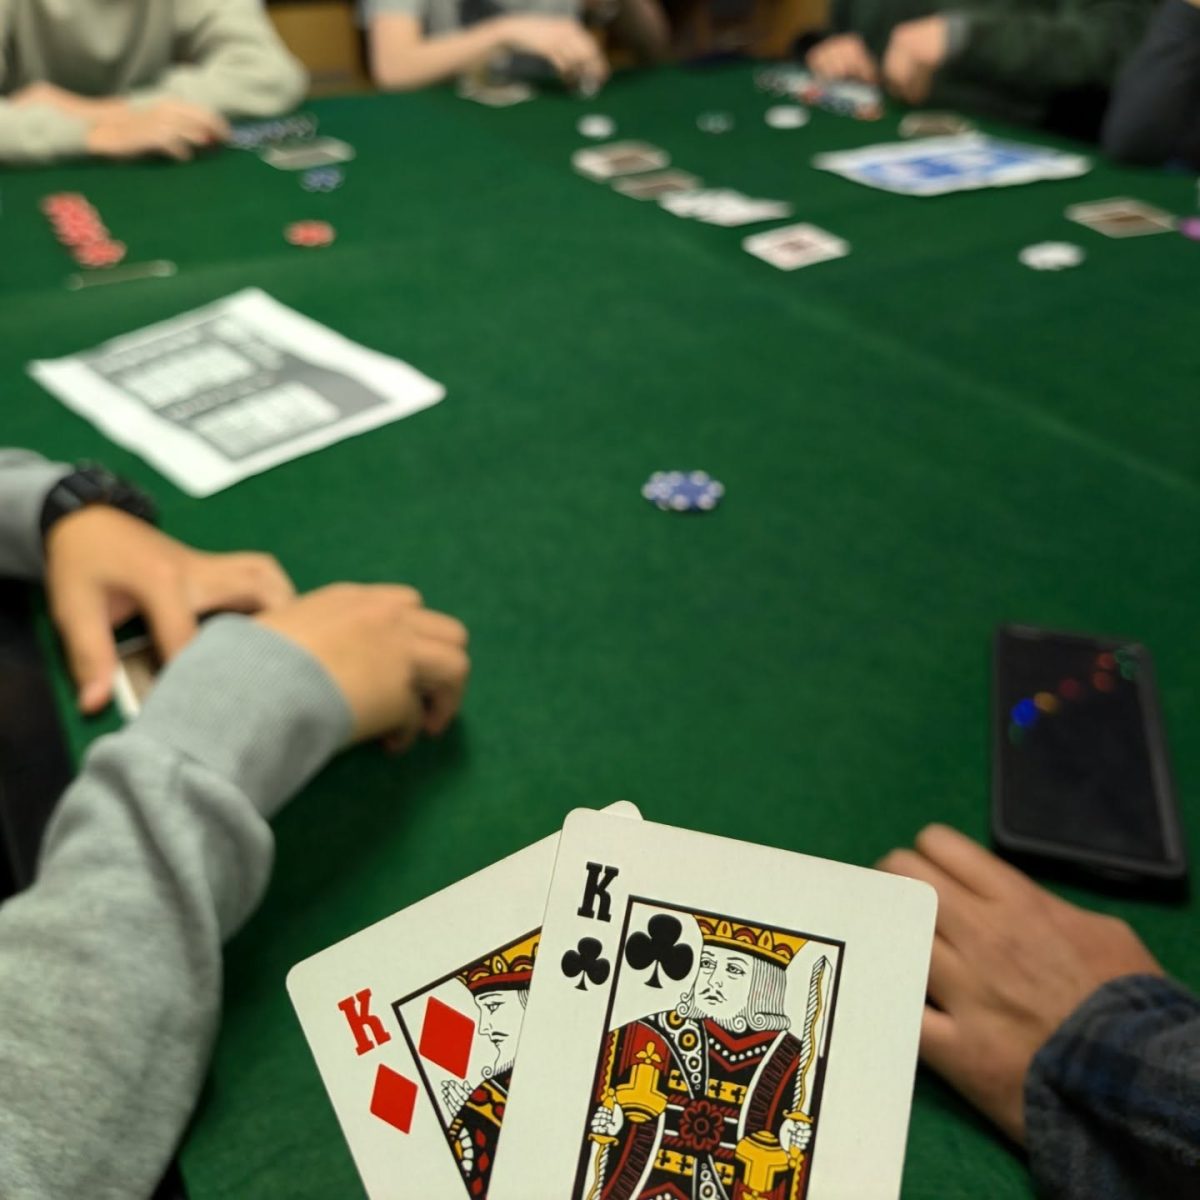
<point>231,60</point>
<point>35,133</point>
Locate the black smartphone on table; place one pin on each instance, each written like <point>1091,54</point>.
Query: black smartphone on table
<point>1081,781</point>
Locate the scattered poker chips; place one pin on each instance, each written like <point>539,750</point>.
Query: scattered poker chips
<point>714,122</point>
<point>787,116</point>
<point>322,179</point>
<point>264,133</point>
<point>596,125</point>
<point>1051,256</point>
<point>1190,228</point>
<point>77,226</point>
<point>683,491</point>
<point>310,234</point>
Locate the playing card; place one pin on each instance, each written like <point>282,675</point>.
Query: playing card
<point>723,206</point>
<point>138,665</point>
<point>1121,217</point>
<point>320,152</point>
<point>619,158</point>
<point>715,1019</point>
<point>414,1024</point>
<point>937,165</point>
<point>659,183</point>
<point>795,246</point>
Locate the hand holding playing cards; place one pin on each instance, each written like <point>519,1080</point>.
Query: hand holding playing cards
<point>1010,963</point>
<point>843,56</point>
<point>402,667</point>
<point>173,128</point>
<point>104,566</point>
<point>569,48</point>
<point>914,52</point>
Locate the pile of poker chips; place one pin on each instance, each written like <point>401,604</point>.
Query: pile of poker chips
<point>846,97</point>
<point>78,226</point>
<point>683,491</point>
<point>264,133</point>
<point>310,234</point>
<point>1051,256</point>
<point>322,179</point>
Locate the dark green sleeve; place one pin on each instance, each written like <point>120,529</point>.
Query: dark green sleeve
<point>1058,46</point>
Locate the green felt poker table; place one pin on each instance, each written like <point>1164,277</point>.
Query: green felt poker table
<point>918,441</point>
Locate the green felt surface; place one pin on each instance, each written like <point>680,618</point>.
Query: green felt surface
<point>918,441</point>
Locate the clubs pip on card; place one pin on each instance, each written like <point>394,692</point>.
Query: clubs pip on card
<point>1121,217</point>
<point>795,246</point>
<point>619,158</point>
<point>414,1024</point>
<point>714,1020</point>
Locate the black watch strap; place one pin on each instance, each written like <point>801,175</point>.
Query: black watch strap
<point>91,484</point>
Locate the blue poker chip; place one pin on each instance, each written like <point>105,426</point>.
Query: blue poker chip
<point>322,179</point>
<point>683,491</point>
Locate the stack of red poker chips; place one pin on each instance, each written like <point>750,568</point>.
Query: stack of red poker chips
<point>309,233</point>
<point>78,226</point>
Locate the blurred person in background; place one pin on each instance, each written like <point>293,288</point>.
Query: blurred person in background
<point>1155,112</point>
<point>415,43</point>
<point>139,77</point>
<point>1044,63</point>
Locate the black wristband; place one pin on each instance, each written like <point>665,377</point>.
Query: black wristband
<point>90,484</point>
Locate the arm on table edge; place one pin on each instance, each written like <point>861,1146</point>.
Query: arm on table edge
<point>1112,1100</point>
<point>232,61</point>
<point>25,478</point>
<point>1037,52</point>
<point>110,962</point>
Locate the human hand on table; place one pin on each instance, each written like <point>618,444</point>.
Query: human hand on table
<point>173,128</point>
<point>914,53</point>
<point>1010,963</point>
<point>401,666</point>
<point>843,56</point>
<point>569,48</point>
<point>104,566</point>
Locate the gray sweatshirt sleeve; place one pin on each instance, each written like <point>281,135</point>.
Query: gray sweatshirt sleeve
<point>25,478</point>
<point>110,963</point>
<point>229,59</point>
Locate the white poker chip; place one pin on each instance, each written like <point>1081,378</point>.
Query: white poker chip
<point>1052,256</point>
<point>787,116</point>
<point>596,125</point>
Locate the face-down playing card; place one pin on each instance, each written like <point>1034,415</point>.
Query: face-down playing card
<point>715,1021</point>
<point>414,1024</point>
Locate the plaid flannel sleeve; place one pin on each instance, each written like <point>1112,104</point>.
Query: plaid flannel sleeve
<point>1112,1100</point>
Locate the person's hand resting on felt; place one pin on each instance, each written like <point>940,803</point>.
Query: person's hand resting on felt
<point>843,56</point>
<point>401,666</point>
<point>568,47</point>
<point>118,129</point>
<point>1010,963</point>
<point>915,52</point>
<point>104,566</point>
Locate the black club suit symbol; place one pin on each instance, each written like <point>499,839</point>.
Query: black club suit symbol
<point>586,962</point>
<point>661,946</point>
